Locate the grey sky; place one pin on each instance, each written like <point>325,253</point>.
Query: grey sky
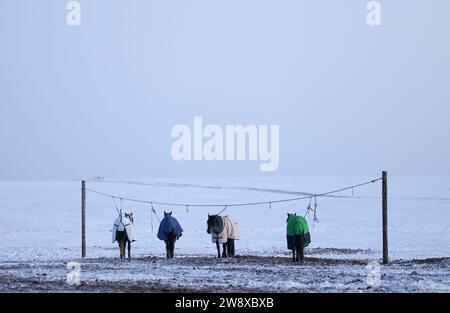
<point>101,99</point>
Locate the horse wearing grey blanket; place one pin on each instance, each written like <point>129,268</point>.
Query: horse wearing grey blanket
<point>223,231</point>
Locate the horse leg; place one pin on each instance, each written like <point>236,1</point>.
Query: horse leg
<point>218,249</point>
<point>129,249</point>
<point>231,253</point>
<point>293,255</point>
<point>224,253</point>
<point>229,248</point>
<point>301,248</point>
<point>172,247</point>
<point>167,248</point>
<point>122,248</point>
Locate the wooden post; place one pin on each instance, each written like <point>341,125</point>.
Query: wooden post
<point>83,219</point>
<point>385,219</point>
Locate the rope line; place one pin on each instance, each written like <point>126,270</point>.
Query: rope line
<point>177,185</point>
<point>225,205</point>
<point>117,209</point>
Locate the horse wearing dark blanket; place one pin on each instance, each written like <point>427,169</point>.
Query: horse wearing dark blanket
<point>298,236</point>
<point>169,231</point>
<point>224,231</point>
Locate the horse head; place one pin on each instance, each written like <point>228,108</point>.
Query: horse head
<point>130,217</point>
<point>214,223</point>
<point>167,213</point>
<point>289,215</point>
<point>209,222</point>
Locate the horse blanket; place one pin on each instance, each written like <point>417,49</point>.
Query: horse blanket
<point>123,223</point>
<point>168,225</point>
<point>228,231</point>
<point>297,226</point>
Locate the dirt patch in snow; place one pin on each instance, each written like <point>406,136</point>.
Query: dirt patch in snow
<point>244,273</point>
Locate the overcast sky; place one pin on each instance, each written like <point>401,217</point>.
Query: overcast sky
<point>101,99</point>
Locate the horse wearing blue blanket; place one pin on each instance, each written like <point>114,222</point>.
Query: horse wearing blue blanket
<point>169,231</point>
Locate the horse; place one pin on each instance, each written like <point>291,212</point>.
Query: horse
<point>169,231</point>
<point>224,231</point>
<point>123,233</point>
<point>298,236</point>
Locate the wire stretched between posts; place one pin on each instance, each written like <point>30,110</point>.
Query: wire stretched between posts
<point>223,210</point>
<point>153,212</point>
<point>235,204</point>
<point>115,205</point>
<point>156,215</point>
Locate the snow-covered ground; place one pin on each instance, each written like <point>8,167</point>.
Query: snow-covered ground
<point>42,220</point>
<point>241,274</point>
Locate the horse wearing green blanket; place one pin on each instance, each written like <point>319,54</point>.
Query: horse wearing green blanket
<point>298,236</point>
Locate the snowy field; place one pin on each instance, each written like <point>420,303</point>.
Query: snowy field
<point>42,233</point>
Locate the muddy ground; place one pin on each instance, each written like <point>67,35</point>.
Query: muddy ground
<point>242,274</point>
